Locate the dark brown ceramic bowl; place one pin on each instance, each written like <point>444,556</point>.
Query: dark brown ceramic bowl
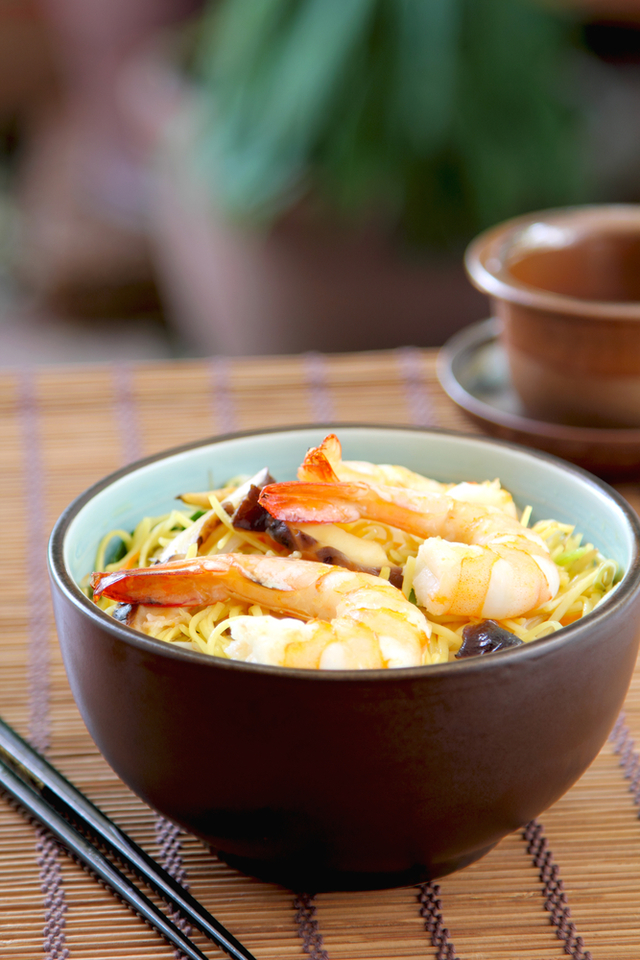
<point>566,286</point>
<point>349,779</point>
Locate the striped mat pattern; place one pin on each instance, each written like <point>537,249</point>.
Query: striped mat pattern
<point>569,886</point>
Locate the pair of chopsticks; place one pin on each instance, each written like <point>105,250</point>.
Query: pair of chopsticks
<point>56,803</point>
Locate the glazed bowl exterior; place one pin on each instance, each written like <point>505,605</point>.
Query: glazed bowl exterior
<point>346,779</point>
<point>566,285</point>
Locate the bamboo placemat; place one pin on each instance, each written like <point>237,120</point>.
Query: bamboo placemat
<point>62,429</point>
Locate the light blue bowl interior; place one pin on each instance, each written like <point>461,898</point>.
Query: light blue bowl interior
<point>550,487</point>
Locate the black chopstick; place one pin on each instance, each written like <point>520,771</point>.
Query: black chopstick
<point>51,798</point>
<point>83,850</point>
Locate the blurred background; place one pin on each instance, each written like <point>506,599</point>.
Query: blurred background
<point>200,177</point>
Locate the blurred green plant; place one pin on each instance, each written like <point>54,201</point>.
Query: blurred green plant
<point>443,116</point>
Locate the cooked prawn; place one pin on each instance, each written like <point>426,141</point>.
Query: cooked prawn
<point>355,620</point>
<point>476,560</point>
<point>324,464</point>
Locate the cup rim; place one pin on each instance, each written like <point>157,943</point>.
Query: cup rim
<point>485,259</point>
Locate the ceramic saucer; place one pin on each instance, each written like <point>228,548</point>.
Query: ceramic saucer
<point>473,371</point>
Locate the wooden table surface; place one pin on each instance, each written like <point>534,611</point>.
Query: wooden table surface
<point>566,886</point>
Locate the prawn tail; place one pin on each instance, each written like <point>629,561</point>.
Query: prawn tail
<point>176,584</point>
<point>317,465</point>
<point>132,586</point>
<point>299,502</point>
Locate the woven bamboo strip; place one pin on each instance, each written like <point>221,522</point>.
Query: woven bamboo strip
<point>493,909</point>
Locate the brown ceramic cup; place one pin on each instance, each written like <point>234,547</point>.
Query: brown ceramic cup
<point>566,285</point>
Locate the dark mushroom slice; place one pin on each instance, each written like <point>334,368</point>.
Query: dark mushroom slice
<point>201,531</point>
<point>323,543</point>
<point>233,502</point>
<point>486,637</point>
<point>243,507</point>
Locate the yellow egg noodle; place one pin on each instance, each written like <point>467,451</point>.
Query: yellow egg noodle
<point>585,577</point>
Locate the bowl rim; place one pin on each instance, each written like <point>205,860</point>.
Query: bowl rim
<point>485,261</point>
<point>64,582</point>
